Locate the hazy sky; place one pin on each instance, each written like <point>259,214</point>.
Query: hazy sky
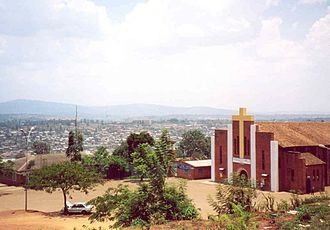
<point>270,55</point>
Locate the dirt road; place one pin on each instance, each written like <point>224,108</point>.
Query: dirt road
<point>48,205</point>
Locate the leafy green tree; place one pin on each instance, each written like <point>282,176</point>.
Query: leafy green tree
<point>141,157</point>
<point>122,150</point>
<point>106,164</point>
<point>135,139</point>
<point>151,203</point>
<point>194,143</point>
<point>64,176</point>
<point>41,147</point>
<point>6,167</point>
<point>118,167</point>
<point>75,146</point>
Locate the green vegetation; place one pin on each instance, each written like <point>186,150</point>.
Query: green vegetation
<point>108,165</point>
<point>233,203</point>
<point>194,144</point>
<point>64,176</point>
<point>41,147</point>
<point>238,191</point>
<point>75,146</point>
<point>151,203</point>
<point>6,167</point>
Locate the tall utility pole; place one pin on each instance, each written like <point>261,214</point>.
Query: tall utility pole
<point>27,139</point>
<point>75,123</point>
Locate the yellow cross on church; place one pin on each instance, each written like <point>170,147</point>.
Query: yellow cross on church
<point>241,118</point>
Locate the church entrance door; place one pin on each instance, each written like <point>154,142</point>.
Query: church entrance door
<point>308,185</point>
<point>243,174</point>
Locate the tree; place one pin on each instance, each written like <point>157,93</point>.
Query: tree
<point>151,203</point>
<point>41,147</point>
<point>6,167</point>
<point>118,167</point>
<point>75,146</point>
<point>122,150</point>
<point>106,164</point>
<point>194,144</point>
<point>135,139</point>
<point>64,176</point>
<point>126,148</point>
<point>141,160</point>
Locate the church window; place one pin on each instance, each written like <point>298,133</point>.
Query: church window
<point>279,162</point>
<point>263,160</point>
<point>317,175</point>
<point>235,146</point>
<point>313,174</point>
<point>220,154</point>
<point>292,174</point>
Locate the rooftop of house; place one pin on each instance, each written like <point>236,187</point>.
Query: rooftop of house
<point>39,161</point>
<point>199,163</point>
<point>310,159</point>
<point>290,134</point>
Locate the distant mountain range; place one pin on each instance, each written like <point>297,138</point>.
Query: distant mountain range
<point>114,112</point>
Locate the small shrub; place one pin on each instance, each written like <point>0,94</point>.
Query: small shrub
<point>283,206</point>
<point>304,213</point>
<point>239,191</point>
<point>315,199</point>
<point>295,200</point>
<point>269,202</point>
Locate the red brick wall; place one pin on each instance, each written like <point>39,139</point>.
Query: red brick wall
<point>263,146</point>
<point>237,168</point>
<point>317,181</point>
<point>290,162</point>
<point>322,153</point>
<point>247,128</point>
<point>194,172</point>
<point>11,180</point>
<point>220,142</point>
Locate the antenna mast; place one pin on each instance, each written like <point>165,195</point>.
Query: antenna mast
<point>75,123</point>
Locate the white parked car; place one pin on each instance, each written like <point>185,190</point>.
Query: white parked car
<point>79,207</point>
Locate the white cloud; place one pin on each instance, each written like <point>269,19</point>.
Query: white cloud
<point>310,2</point>
<point>181,52</point>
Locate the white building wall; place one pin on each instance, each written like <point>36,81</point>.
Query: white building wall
<point>274,185</point>
<point>253,153</point>
<point>230,150</point>
<point>213,156</point>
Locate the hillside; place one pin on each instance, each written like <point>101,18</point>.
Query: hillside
<point>19,107</point>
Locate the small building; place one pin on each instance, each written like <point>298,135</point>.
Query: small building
<point>18,177</point>
<point>193,170</point>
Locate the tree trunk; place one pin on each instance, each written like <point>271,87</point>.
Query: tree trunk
<point>65,207</point>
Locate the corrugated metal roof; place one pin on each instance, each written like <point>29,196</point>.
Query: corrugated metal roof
<point>199,163</point>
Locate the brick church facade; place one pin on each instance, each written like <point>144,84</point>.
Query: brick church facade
<point>277,156</point>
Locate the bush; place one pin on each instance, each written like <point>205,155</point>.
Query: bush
<point>239,191</point>
<point>238,220</point>
<point>295,200</point>
<point>304,213</point>
<point>141,207</point>
<point>314,199</point>
<point>283,206</point>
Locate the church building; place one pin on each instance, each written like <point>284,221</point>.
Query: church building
<point>277,156</point>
